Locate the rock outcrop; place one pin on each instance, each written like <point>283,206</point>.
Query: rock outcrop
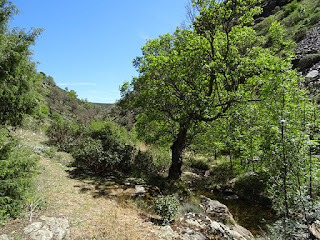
<point>308,60</point>
<point>217,223</point>
<point>315,229</point>
<point>310,44</point>
<point>48,228</point>
<point>45,228</point>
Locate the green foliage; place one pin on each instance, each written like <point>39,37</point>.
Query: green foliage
<point>190,78</point>
<point>190,207</point>
<point>63,134</point>
<point>17,168</point>
<point>167,207</point>
<point>18,76</point>
<point>276,38</point>
<point>308,61</point>
<point>89,155</point>
<point>291,7</point>
<point>57,117</point>
<point>252,186</point>
<point>143,162</point>
<point>42,111</point>
<point>101,148</point>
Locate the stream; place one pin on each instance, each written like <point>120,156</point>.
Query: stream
<point>253,216</point>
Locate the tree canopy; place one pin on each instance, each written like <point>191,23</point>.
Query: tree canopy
<point>198,76</point>
<point>18,76</point>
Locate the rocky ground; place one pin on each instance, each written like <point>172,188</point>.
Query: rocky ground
<point>308,59</point>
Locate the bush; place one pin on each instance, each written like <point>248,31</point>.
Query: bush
<point>291,7</point>
<point>143,160</point>
<point>308,61</point>
<point>199,164</point>
<point>300,35</point>
<point>315,19</point>
<point>252,186</point>
<point>118,154</point>
<point>166,207</point>
<point>89,155</point>
<point>17,168</point>
<point>190,207</point>
<point>63,135</point>
<point>161,159</point>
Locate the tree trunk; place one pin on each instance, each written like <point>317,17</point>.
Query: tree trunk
<point>176,149</point>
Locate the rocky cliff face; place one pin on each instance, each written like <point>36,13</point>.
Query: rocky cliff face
<point>308,59</point>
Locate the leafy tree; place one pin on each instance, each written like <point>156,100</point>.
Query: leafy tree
<point>18,76</point>
<point>193,77</point>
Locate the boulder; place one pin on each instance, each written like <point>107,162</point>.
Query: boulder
<point>216,210</point>
<point>315,229</point>
<point>312,75</point>
<point>140,190</point>
<point>48,228</point>
<point>200,226</point>
<point>4,237</point>
<point>58,226</point>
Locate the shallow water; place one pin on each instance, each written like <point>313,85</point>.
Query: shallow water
<point>254,217</point>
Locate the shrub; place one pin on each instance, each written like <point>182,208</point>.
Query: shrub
<point>291,7</point>
<point>89,155</point>
<point>63,135</point>
<point>17,168</point>
<point>300,34</point>
<point>199,164</point>
<point>190,207</point>
<point>315,19</point>
<point>166,207</point>
<point>161,159</point>
<point>252,186</point>
<point>99,148</point>
<point>118,154</point>
<point>143,162</point>
<point>57,117</point>
<point>308,61</point>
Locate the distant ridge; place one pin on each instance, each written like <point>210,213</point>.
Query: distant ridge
<point>104,105</point>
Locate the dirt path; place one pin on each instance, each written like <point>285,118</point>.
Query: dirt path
<point>94,211</point>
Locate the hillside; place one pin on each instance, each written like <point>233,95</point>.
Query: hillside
<point>67,104</point>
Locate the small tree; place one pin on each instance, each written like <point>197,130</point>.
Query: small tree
<point>198,76</point>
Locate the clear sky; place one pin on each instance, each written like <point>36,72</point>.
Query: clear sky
<point>88,46</point>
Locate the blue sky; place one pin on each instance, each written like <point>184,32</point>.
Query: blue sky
<point>88,46</point>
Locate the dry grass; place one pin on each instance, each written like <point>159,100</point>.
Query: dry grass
<point>95,211</point>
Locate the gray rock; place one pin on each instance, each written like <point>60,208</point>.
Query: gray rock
<point>312,75</point>
<point>4,237</point>
<point>200,226</point>
<point>140,190</point>
<point>167,233</point>
<point>32,227</point>
<point>58,226</point>
<point>49,228</point>
<point>315,229</point>
<point>239,232</point>
<point>310,44</point>
<point>217,210</point>
<point>43,234</point>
